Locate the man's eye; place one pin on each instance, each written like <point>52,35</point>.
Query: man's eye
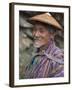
<point>41,31</point>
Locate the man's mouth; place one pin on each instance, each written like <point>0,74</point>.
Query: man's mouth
<point>37,39</point>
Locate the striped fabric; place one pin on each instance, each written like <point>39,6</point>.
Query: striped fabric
<point>49,63</point>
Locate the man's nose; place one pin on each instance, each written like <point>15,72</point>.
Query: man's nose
<point>37,33</point>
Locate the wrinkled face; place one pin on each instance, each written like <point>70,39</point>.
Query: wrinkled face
<point>41,35</point>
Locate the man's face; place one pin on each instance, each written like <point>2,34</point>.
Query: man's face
<point>41,35</point>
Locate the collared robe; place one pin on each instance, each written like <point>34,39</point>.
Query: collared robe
<point>46,64</point>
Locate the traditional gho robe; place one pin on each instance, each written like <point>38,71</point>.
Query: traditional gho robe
<point>46,63</point>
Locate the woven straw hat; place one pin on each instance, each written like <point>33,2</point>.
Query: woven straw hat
<point>46,18</point>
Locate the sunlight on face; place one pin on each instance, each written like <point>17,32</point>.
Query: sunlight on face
<point>41,35</point>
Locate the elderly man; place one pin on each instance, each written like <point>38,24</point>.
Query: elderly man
<point>49,59</point>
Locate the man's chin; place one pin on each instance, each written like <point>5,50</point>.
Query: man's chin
<point>37,45</point>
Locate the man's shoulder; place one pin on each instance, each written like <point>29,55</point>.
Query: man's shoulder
<point>56,52</point>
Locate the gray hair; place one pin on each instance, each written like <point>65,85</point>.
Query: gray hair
<point>51,29</point>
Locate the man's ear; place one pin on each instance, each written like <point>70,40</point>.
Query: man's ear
<point>53,33</point>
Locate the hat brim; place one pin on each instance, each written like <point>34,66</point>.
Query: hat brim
<point>46,19</point>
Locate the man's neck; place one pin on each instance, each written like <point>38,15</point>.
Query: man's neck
<point>43,48</point>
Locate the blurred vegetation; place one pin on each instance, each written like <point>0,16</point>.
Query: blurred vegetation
<point>26,48</point>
